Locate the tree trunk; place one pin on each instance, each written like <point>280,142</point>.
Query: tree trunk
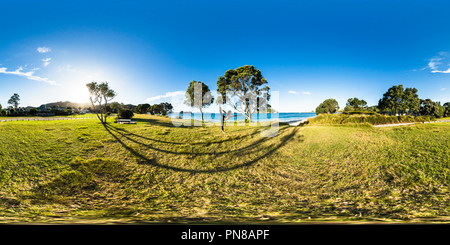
<point>201,113</point>
<point>93,106</point>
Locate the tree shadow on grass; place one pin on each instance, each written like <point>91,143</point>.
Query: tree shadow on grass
<point>188,143</point>
<point>125,132</point>
<point>145,160</point>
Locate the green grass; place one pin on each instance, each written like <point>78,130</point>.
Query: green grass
<point>346,119</point>
<point>90,115</point>
<point>81,171</point>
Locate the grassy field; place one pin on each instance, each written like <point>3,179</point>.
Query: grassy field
<point>69,116</point>
<point>82,171</point>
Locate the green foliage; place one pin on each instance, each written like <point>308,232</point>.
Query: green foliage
<point>429,107</point>
<point>356,104</point>
<point>371,118</point>
<point>142,108</point>
<point>126,114</point>
<point>14,101</point>
<point>349,108</point>
<point>397,100</point>
<point>360,112</point>
<point>328,106</point>
<point>101,94</point>
<point>247,84</point>
<point>33,111</point>
<point>161,109</point>
<point>446,109</point>
<point>198,96</point>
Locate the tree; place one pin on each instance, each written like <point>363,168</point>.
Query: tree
<point>446,109</point>
<point>142,108</point>
<point>412,100</point>
<point>33,111</point>
<point>349,108</point>
<point>100,93</point>
<point>373,108</point>
<point>126,114</point>
<point>431,108</point>
<point>327,106</point>
<point>246,84</point>
<point>161,109</point>
<point>14,101</point>
<point>356,104</point>
<point>115,106</point>
<point>166,108</point>
<point>397,100</point>
<point>198,95</point>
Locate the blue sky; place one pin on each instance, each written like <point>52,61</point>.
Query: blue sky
<point>149,51</point>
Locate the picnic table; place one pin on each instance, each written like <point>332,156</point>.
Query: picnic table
<point>127,121</point>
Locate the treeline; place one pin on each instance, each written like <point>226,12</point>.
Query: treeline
<point>371,118</point>
<point>396,101</point>
<point>157,109</point>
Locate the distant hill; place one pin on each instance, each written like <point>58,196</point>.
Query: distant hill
<point>66,104</point>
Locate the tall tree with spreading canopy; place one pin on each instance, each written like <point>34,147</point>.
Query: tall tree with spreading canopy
<point>142,108</point>
<point>397,99</point>
<point>431,108</point>
<point>356,104</point>
<point>246,84</point>
<point>198,96</point>
<point>446,109</point>
<point>14,101</point>
<point>101,94</point>
<point>327,106</point>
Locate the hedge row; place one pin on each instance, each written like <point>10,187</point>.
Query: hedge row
<point>373,119</point>
<point>360,113</point>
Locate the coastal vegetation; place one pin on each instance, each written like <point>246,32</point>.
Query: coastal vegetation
<point>198,96</point>
<point>370,118</point>
<point>245,90</point>
<point>83,171</point>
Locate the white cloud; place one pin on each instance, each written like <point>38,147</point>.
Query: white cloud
<point>305,92</point>
<point>437,71</point>
<point>168,94</point>
<point>43,50</point>
<point>46,61</point>
<point>443,89</point>
<point>435,62</point>
<point>292,92</point>
<point>28,75</point>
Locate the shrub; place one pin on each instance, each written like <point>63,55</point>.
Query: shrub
<point>126,114</point>
<point>360,113</point>
<point>375,119</point>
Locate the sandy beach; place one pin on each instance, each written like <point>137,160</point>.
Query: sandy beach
<point>296,123</point>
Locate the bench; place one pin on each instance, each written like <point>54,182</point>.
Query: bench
<point>127,121</point>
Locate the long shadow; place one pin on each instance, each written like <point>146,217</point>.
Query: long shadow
<point>153,162</point>
<point>171,142</point>
<point>160,122</point>
<point>253,145</point>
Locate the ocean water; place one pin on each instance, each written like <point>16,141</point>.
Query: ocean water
<point>215,117</point>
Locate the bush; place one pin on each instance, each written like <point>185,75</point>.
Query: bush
<point>375,119</point>
<point>126,114</point>
<point>360,113</point>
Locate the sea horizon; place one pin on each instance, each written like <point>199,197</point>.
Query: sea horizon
<point>215,117</point>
